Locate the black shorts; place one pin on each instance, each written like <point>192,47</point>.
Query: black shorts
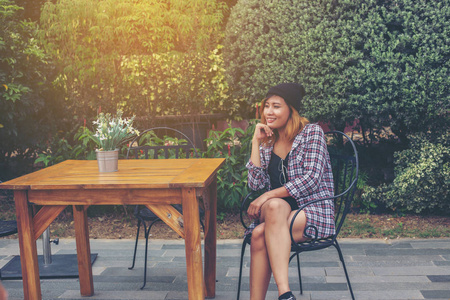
<point>292,202</point>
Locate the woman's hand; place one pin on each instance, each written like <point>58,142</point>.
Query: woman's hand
<point>262,131</point>
<point>254,209</point>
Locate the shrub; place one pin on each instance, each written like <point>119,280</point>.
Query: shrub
<point>174,84</point>
<point>385,63</point>
<point>26,101</point>
<point>75,144</point>
<point>234,144</point>
<point>422,181</point>
<point>166,45</point>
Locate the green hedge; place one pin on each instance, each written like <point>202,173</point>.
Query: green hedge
<point>146,57</point>
<point>27,106</point>
<point>422,181</point>
<point>385,63</point>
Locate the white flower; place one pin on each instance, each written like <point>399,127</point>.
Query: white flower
<point>111,131</point>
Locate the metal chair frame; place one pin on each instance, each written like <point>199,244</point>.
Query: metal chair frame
<point>7,228</point>
<point>145,216</point>
<point>345,186</point>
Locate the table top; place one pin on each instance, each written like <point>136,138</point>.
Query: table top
<point>132,173</point>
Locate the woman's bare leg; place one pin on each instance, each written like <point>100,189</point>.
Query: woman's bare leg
<point>275,214</point>
<point>271,246</point>
<point>260,270</point>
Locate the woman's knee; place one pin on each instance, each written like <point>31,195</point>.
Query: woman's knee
<point>275,209</point>
<point>258,240</point>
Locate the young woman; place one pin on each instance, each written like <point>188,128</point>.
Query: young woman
<point>290,161</point>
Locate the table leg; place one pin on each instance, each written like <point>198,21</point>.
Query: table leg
<point>193,244</point>
<point>28,251</point>
<point>210,240</point>
<point>83,250</point>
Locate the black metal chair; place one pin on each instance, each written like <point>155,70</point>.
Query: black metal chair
<point>149,145</point>
<point>7,228</point>
<point>344,161</point>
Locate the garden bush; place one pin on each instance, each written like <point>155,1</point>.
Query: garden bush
<point>27,103</point>
<point>233,144</point>
<point>385,63</point>
<point>174,84</point>
<point>422,181</point>
<point>74,144</point>
<point>145,57</point>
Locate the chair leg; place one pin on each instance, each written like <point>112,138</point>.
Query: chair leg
<point>244,244</point>
<point>203,225</point>
<point>299,274</point>
<point>341,257</point>
<point>147,234</point>
<point>135,245</point>
<point>145,257</point>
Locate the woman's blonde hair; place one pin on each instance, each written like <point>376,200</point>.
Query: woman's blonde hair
<point>295,124</point>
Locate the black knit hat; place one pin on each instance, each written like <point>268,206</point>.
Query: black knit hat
<point>292,93</point>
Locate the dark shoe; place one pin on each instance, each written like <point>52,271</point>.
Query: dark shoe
<point>287,296</point>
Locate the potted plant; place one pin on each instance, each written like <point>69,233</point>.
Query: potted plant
<point>110,132</point>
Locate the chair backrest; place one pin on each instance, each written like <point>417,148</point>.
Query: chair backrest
<point>345,166</point>
<point>161,142</point>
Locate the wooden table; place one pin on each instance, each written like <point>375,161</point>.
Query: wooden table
<point>154,183</point>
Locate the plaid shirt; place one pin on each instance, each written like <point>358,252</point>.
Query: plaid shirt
<point>309,178</point>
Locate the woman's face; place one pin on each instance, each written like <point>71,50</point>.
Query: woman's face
<point>276,112</point>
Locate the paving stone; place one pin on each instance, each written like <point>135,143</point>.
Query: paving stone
<point>123,295</point>
<point>5,242</point>
<point>292,272</point>
<point>394,286</point>
<point>123,263</point>
<point>140,272</point>
<point>377,279</point>
<point>391,263</point>
<point>151,278</point>
<point>173,246</point>
<point>430,244</point>
<point>361,271</point>
<point>175,252</point>
<point>402,245</point>
<point>439,278</point>
<point>441,263</point>
<point>434,294</point>
<point>335,295</point>
<point>401,252</point>
<point>388,295</point>
<point>411,270</point>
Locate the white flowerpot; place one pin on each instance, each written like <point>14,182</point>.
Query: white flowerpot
<point>108,161</point>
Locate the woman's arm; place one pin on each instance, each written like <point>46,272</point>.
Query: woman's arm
<point>254,208</point>
<point>261,132</point>
<point>257,175</point>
